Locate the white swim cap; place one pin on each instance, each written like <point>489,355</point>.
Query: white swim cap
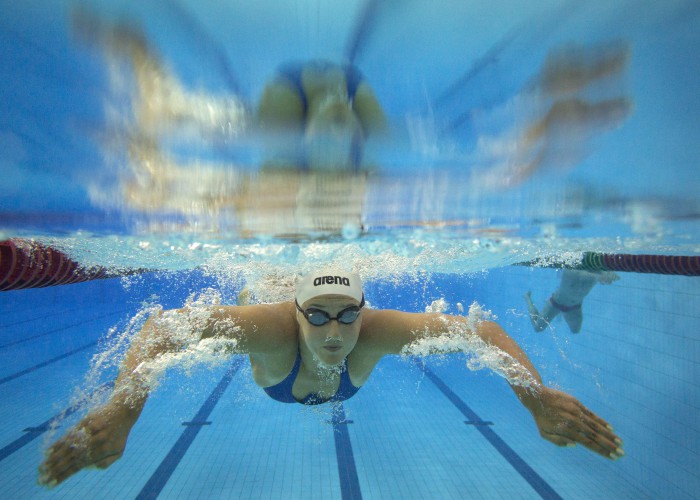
<point>329,282</point>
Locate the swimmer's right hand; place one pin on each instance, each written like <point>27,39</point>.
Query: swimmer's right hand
<point>96,441</point>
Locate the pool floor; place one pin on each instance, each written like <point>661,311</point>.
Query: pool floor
<point>416,430</point>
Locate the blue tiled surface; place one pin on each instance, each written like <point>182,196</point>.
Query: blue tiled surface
<point>635,363</point>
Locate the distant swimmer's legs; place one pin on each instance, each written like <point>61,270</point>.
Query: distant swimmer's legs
<point>575,119</point>
<point>362,30</point>
<point>574,319</point>
<point>542,320</point>
<point>572,314</point>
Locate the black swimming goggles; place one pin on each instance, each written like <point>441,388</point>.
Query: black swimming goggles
<point>317,317</point>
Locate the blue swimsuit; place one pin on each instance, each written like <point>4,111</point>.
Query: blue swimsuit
<point>282,392</point>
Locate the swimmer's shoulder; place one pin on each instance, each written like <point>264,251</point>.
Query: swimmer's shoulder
<point>369,111</point>
<point>259,328</point>
<point>280,105</point>
<point>386,331</point>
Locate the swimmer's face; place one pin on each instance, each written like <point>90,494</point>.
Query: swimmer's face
<point>332,342</point>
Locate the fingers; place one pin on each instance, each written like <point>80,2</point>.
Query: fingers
<point>79,449</point>
<point>63,461</point>
<point>601,446</point>
<point>107,461</point>
<point>598,435</point>
<point>601,440</point>
<point>558,439</point>
<point>566,422</point>
<point>589,430</point>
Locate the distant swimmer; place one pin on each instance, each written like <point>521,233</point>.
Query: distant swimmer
<point>567,299</point>
<point>319,348</point>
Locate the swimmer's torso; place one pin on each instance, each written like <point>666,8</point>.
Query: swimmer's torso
<point>273,366</point>
<point>574,286</point>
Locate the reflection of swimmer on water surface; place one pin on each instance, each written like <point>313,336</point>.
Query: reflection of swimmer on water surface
<point>321,347</point>
<point>313,121</point>
<point>317,116</point>
<point>568,298</point>
<point>160,103</point>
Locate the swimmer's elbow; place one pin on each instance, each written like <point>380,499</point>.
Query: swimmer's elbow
<point>488,328</point>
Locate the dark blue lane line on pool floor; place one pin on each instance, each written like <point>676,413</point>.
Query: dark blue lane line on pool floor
<point>162,474</point>
<point>347,472</point>
<point>46,363</point>
<point>29,319</point>
<point>528,473</point>
<point>65,327</point>
<point>34,432</point>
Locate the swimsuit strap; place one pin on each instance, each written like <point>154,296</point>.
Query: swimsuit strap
<point>353,79</point>
<point>563,308</point>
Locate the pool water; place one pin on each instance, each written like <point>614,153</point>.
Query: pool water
<point>418,428</point>
<point>454,204</point>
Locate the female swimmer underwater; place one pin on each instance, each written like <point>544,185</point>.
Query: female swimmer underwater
<point>320,347</point>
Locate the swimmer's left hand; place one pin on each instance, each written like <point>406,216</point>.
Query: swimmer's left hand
<point>565,421</point>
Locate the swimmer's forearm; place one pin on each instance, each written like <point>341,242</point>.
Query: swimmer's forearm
<point>533,395</point>
<point>493,334</point>
<point>527,393</point>
<point>130,393</point>
<point>163,333</point>
<point>131,389</point>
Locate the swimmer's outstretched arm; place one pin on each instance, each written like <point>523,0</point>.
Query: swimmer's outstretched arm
<point>99,439</point>
<point>560,417</point>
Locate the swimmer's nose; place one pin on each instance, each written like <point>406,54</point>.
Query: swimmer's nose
<point>333,332</point>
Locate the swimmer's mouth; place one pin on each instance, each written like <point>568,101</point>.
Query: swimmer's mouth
<point>332,348</point>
